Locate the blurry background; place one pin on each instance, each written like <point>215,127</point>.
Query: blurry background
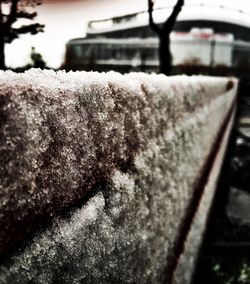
<point>67,19</point>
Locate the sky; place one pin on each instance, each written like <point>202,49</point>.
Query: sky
<point>67,19</point>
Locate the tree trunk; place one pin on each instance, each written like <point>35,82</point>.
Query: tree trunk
<point>163,32</point>
<point>165,57</point>
<point>2,54</point>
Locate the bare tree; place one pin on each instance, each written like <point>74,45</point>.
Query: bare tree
<point>163,32</point>
<point>10,12</point>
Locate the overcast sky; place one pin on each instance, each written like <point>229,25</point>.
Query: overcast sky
<point>67,19</point>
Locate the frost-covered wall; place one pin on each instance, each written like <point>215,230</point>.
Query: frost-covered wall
<point>98,171</point>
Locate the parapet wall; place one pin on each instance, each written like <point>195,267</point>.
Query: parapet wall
<point>100,171</point>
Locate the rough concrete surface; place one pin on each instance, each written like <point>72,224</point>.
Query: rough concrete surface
<point>137,141</point>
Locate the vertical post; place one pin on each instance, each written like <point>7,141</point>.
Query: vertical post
<point>212,53</point>
<point>2,55</point>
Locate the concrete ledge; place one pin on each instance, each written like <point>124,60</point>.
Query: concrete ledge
<point>138,142</point>
<point>186,259</point>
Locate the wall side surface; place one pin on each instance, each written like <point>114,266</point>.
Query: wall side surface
<point>187,259</point>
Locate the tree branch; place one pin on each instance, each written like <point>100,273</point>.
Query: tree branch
<point>26,15</point>
<point>32,29</point>
<point>152,24</point>
<point>13,11</point>
<point>169,23</point>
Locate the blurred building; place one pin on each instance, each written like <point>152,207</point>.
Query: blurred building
<point>205,35</point>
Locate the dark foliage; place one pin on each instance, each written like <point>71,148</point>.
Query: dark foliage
<point>10,12</point>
